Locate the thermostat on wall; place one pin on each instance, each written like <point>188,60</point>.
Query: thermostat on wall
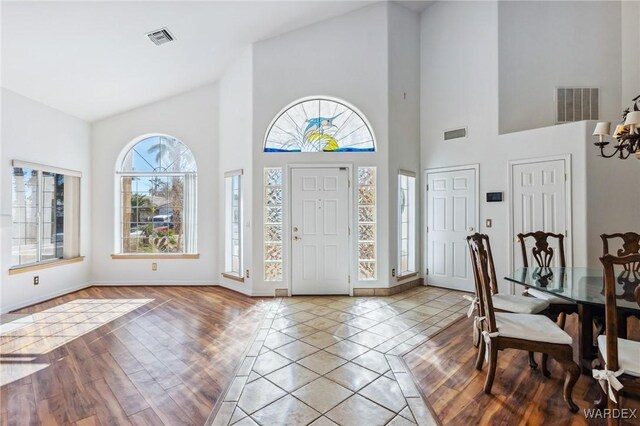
<point>494,197</point>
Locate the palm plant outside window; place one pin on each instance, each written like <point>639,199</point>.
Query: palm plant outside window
<point>158,197</point>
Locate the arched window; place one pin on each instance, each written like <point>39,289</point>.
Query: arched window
<point>319,125</point>
<point>157,197</point>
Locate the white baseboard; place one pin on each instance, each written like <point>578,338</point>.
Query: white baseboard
<point>153,283</point>
<point>42,298</point>
<point>235,287</point>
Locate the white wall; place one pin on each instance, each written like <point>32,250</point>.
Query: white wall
<point>36,133</point>
<point>235,152</point>
<point>546,44</point>
<point>346,58</point>
<point>404,116</point>
<point>192,118</point>
<point>459,87</point>
<point>629,22</point>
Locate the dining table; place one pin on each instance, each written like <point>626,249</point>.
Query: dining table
<point>585,287</point>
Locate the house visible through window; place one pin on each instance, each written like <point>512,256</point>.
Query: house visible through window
<point>158,197</point>
<point>407,223</point>
<point>233,221</point>
<point>45,212</point>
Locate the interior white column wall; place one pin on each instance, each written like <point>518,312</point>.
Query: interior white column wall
<point>630,45</point>
<point>236,92</point>
<point>39,134</point>
<point>191,117</point>
<point>404,118</point>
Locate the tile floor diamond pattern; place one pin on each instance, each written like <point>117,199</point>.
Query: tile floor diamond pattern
<point>335,360</point>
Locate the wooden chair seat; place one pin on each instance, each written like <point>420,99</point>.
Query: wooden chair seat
<point>554,300</point>
<point>519,304</point>
<point>628,355</point>
<point>531,327</point>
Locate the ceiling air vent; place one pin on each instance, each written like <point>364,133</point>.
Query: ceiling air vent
<point>160,36</point>
<point>576,104</point>
<point>455,133</point>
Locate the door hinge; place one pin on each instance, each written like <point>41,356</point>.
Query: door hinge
<point>566,232</point>
<point>427,187</point>
<point>349,230</point>
<point>427,271</point>
<point>565,177</point>
<point>349,279</point>
<point>427,229</point>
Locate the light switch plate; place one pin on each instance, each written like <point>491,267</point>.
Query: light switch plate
<point>488,223</point>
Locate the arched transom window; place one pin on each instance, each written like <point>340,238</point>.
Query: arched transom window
<point>319,125</point>
<point>157,197</point>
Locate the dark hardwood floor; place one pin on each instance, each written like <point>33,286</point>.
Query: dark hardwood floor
<point>444,369</point>
<point>166,362</point>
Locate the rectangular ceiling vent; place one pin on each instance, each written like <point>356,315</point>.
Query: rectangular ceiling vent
<point>576,104</point>
<point>455,133</point>
<point>160,36</point>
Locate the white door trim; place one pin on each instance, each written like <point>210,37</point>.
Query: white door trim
<point>425,215</point>
<point>568,204</point>
<point>286,222</point>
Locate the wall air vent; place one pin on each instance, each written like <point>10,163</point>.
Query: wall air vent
<point>576,104</point>
<point>160,36</point>
<point>455,133</point>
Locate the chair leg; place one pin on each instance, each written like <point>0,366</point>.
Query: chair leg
<point>493,363</point>
<point>545,370</point>
<point>601,401</point>
<point>562,319</point>
<point>532,361</point>
<point>480,358</point>
<point>613,406</point>
<point>572,375</point>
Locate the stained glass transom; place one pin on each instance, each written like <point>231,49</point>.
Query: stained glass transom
<point>273,224</point>
<point>367,266</point>
<point>319,125</point>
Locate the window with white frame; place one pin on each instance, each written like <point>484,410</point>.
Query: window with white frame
<point>157,186</point>
<point>273,224</point>
<point>367,265</point>
<point>232,223</point>
<point>45,214</point>
<point>407,223</point>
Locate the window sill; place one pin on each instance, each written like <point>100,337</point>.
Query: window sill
<point>156,256</point>
<point>406,275</point>
<point>44,265</point>
<point>233,277</point>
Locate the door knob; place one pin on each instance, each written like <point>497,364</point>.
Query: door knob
<point>471,229</point>
<point>295,229</point>
<point>296,238</point>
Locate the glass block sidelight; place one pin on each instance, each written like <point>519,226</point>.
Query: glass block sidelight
<point>367,223</point>
<point>272,224</point>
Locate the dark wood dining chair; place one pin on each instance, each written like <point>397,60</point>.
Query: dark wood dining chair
<point>528,332</point>
<point>620,357</point>
<point>627,243</point>
<point>501,302</point>
<point>543,254</point>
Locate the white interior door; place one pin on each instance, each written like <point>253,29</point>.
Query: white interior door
<point>539,203</point>
<point>451,216</point>
<point>319,231</point>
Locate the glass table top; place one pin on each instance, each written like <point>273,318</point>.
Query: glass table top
<point>581,285</point>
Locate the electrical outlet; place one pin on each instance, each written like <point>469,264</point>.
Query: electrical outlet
<point>154,266</point>
<point>246,274</point>
<point>393,272</point>
<point>36,280</point>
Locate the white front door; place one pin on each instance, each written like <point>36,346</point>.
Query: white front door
<point>539,204</point>
<point>320,231</point>
<point>451,216</point>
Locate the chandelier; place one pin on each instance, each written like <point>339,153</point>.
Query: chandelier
<point>627,134</point>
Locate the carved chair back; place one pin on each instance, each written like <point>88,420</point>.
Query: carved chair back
<point>630,245</point>
<point>542,251</point>
<point>480,257</point>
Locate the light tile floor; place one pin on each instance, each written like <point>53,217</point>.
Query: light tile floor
<point>327,360</point>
